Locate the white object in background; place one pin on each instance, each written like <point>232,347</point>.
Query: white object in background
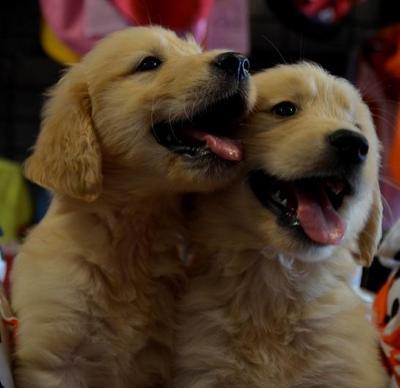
<point>6,380</point>
<point>3,267</point>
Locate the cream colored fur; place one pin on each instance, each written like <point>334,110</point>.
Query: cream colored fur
<point>95,285</point>
<point>264,308</point>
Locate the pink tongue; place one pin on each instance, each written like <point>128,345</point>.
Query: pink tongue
<point>318,218</point>
<point>225,148</point>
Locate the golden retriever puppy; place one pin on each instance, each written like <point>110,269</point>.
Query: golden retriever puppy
<point>270,305</point>
<point>142,119</point>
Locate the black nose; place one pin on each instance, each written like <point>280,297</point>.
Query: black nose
<point>233,64</point>
<point>350,145</point>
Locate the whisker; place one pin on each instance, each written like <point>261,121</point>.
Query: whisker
<point>152,112</point>
<point>193,109</point>
<point>171,127</point>
<point>386,206</point>
<point>387,120</point>
<point>301,49</point>
<point>370,88</point>
<point>389,182</point>
<point>274,47</point>
<point>185,112</point>
<point>370,98</point>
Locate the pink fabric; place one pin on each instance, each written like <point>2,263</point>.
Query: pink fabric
<point>102,18</point>
<point>67,19</point>
<point>228,26</point>
<point>80,23</point>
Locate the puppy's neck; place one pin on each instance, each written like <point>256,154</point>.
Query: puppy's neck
<point>269,289</point>
<point>121,208</point>
<point>124,232</point>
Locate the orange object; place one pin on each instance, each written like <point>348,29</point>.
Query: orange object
<point>54,47</point>
<point>387,318</point>
<point>386,60</point>
<point>392,67</point>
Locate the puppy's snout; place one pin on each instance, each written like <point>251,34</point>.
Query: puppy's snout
<point>349,145</point>
<point>233,64</point>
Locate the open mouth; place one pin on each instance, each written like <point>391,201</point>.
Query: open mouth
<point>310,205</point>
<point>207,132</point>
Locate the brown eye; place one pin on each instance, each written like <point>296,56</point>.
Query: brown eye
<point>284,109</point>
<point>149,64</point>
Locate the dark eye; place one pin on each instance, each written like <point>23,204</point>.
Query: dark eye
<point>148,64</point>
<point>284,109</point>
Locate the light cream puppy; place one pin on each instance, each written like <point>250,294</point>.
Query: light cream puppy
<point>270,305</point>
<point>143,118</point>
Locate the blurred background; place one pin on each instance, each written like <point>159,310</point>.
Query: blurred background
<point>355,39</point>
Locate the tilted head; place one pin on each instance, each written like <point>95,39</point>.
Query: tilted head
<point>143,112</point>
<point>313,161</point>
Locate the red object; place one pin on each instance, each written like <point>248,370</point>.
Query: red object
<point>8,256</point>
<point>385,55</point>
<point>313,8</point>
<point>177,15</point>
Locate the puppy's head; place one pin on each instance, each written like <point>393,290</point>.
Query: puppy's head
<point>144,112</point>
<point>314,159</point>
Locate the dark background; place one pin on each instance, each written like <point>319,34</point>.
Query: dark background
<point>26,72</point>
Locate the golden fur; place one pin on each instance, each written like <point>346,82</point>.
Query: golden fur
<point>266,309</point>
<point>95,284</point>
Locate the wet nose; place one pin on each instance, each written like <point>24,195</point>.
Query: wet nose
<point>349,145</point>
<point>233,64</point>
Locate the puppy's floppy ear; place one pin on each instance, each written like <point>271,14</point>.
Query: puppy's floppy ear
<point>67,156</point>
<point>370,236</point>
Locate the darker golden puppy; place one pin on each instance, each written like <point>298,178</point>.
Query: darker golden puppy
<point>142,119</point>
<point>271,305</point>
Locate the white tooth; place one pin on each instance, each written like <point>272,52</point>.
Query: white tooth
<point>335,187</point>
<point>284,202</point>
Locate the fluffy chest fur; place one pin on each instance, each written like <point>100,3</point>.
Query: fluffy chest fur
<point>259,321</point>
<point>98,299</point>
